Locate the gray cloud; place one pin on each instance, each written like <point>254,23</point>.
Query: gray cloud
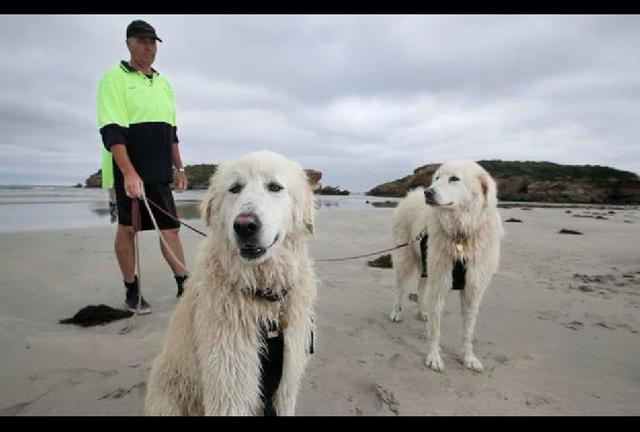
<point>365,99</point>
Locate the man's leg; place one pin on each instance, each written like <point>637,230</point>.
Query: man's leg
<point>169,228</point>
<point>173,240</point>
<point>125,252</point>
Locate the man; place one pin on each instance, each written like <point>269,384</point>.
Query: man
<point>136,117</point>
<point>107,183</point>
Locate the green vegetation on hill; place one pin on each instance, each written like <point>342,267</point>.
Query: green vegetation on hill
<point>538,181</point>
<point>199,175</point>
<point>553,171</point>
<point>332,190</point>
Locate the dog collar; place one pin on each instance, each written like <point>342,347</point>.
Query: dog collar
<point>283,321</point>
<point>267,295</point>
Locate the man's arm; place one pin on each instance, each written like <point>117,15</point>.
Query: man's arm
<point>113,125</point>
<point>132,182</point>
<point>181,177</point>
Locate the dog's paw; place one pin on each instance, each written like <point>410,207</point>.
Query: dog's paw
<point>473,363</point>
<point>434,361</point>
<point>395,315</point>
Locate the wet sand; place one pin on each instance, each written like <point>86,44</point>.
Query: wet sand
<point>558,332</point>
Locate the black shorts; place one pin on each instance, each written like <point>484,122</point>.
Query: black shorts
<point>159,193</point>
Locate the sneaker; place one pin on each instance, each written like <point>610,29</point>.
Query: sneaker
<point>132,298</point>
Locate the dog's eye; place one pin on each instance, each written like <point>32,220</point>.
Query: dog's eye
<point>236,188</point>
<point>274,187</point>
<point>453,179</point>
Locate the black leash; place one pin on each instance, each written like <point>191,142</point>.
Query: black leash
<point>176,219</point>
<point>420,236</point>
<point>459,270</point>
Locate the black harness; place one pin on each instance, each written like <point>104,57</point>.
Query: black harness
<point>271,360</point>
<point>272,356</point>
<point>423,255</point>
<point>458,274</point>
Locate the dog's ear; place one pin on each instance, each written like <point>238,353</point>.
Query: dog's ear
<point>489,189</point>
<point>484,184</point>
<point>210,199</point>
<point>205,206</point>
<point>304,204</point>
<point>308,210</point>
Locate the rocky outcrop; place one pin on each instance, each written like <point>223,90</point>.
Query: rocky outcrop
<point>398,188</point>
<point>577,191</point>
<point>94,180</point>
<point>538,181</point>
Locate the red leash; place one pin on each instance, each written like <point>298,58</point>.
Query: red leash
<point>135,215</point>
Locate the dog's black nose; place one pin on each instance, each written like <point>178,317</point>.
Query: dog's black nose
<point>246,225</point>
<point>429,195</point>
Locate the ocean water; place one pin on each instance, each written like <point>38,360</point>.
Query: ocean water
<point>28,208</point>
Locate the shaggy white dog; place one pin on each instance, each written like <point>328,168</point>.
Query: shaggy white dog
<point>460,213</point>
<point>252,280</point>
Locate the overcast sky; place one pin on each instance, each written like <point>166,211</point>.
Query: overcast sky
<point>364,99</point>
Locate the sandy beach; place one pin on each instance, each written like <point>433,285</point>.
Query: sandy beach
<point>558,332</point>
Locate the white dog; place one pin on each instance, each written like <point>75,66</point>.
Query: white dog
<point>459,211</point>
<point>240,338</point>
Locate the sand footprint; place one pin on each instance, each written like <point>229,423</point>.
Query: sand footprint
<point>535,400</point>
<point>387,399</point>
<point>72,375</point>
<point>547,315</point>
<point>121,392</point>
<point>573,325</point>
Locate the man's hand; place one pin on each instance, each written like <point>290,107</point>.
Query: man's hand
<point>133,185</point>
<point>181,181</point>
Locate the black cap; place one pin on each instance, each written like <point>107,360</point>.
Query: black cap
<point>141,29</point>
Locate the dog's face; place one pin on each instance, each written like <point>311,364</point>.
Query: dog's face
<point>459,184</point>
<point>258,201</point>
